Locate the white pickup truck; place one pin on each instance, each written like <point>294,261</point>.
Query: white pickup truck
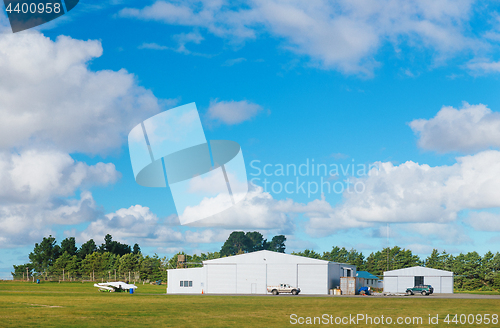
<point>283,288</point>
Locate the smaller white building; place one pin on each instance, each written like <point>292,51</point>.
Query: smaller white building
<point>369,280</point>
<point>397,281</point>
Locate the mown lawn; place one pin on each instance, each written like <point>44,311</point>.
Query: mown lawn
<point>479,292</point>
<point>81,305</point>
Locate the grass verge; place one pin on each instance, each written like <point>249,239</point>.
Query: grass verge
<point>81,305</point>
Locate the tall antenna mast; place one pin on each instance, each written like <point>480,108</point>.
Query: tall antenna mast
<point>387,246</point>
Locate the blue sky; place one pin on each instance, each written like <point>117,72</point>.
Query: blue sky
<point>410,87</point>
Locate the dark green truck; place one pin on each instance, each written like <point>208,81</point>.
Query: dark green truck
<point>420,289</point>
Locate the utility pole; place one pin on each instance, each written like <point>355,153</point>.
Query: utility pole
<point>63,274</point>
<point>27,274</point>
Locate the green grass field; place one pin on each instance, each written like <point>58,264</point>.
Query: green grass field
<point>25,304</point>
<point>479,292</point>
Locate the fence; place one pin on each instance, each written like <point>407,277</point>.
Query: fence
<point>132,277</point>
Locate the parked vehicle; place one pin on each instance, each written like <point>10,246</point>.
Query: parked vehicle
<point>422,289</point>
<point>365,291</point>
<point>283,288</point>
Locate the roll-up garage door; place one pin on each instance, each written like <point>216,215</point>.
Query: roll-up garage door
<point>221,278</point>
<point>313,278</point>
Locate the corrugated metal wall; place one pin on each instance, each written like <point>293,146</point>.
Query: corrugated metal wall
<point>254,278</point>
<point>251,279</point>
<point>313,278</point>
<point>252,273</point>
<point>399,284</point>
<point>196,275</point>
<point>221,279</point>
<point>282,274</point>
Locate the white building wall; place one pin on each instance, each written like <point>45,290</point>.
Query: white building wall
<point>447,285</point>
<point>252,273</point>
<point>397,281</point>
<point>282,274</point>
<point>390,284</point>
<point>404,283</point>
<point>313,278</point>
<point>251,279</point>
<point>175,276</point>
<point>221,279</point>
<point>435,282</point>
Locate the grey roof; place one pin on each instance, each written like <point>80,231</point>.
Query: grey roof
<point>418,271</point>
<point>265,257</point>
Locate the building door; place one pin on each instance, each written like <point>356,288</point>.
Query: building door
<point>419,280</point>
<point>221,279</point>
<point>312,278</point>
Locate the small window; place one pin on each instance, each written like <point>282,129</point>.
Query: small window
<point>182,283</point>
<point>186,283</point>
<point>190,284</point>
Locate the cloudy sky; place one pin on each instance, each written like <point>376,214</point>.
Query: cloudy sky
<point>362,124</point>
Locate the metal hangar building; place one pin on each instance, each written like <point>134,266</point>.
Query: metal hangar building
<point>251,273</point>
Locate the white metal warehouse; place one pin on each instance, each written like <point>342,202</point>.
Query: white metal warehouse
<point>397,281</point>
<point>251,273</point>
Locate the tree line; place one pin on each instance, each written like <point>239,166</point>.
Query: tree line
<point>111,259</point>
<point>114,260</point>
<point>472,271</point>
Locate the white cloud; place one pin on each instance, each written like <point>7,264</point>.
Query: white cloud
<point>152,46</point>
<point>425,199</point>
<point>418,248</point>
<point>450,234</point>
<point>413,193</point>
<point>134,223</point>
<point>52,104</point>
<point>231,62</point>
<point>221,23</point>
<point>181,39</point>
<point>138,224</point>
<point>25,224</point>
<point>207,236</point>
<point>467,130</point>
<point>484,221</point>
<point>213,183</point>
<point>33,186</point>
<point>48,96</point>
<point>343,35</point>
<point>483,66</point>
<point>38,176</point>
<point>259,210</point>
<point>185,38</point>
<point>232,112</point>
